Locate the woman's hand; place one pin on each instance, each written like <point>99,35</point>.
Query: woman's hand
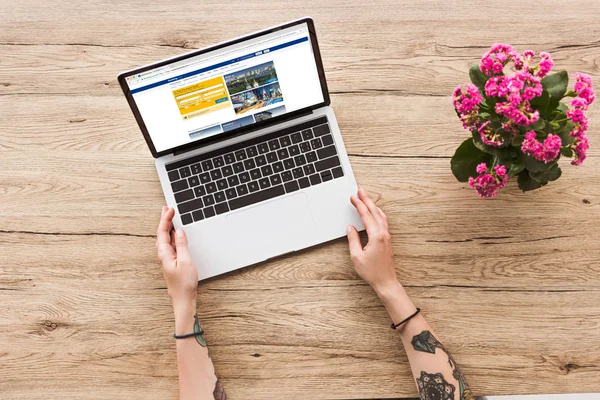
<point>375,262</point>
<point>177,265</point>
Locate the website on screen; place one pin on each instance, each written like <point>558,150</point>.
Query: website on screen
<point>228,88</point>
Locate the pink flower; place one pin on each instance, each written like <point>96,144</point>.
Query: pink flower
<point>546,64</point>
<point>528,54</point>
<point>466,105</point>
<point>584,88</point>
<point>494,60</point>
<point>517,90</point>
<point>489,136</point>
<point>489,182</point>
<point>546,152</point>
<point>580,148</point>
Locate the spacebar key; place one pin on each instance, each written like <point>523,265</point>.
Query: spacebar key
<point>256,197</point>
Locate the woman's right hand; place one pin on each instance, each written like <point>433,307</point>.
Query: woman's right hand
<point>374,262</point>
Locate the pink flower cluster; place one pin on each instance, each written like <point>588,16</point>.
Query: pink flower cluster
<point>489,181</point>
<point>466,105</point>
<point>490,136</point>
<point>518,90</point>
<point>494,60</point>
<point>546,152</point>
<point>585,96</point>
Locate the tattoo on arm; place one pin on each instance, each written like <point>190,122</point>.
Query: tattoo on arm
<point>434,386</point>
<point>219,392</point>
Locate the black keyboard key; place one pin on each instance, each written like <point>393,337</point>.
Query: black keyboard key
<point>219,197</point>
<point>253,186</point>
<point>189,206</point>
<point>255,174</point>
<point>264,183</point>
<point>242,190</point>
<point>173,175</point>
<point>327,140</point>
<point>184,196</point>
<point>296,137</point>
<point>209,200</point>
<point>274,144</point>
<point>300,160</point>
<point>304,147</point>
<point>278,167</point>
<point>199,191</point>
<point>291,186</point>
<point>249,164</point>
<point>179,185</point>
<point>261,160</point>
<point>229,158</point>
<point>314,179</point>
<point>321,130</point>
<point>326,176</point>
<point>337,172</point>
<point>307,134</point>
<point>209,212</point>
<point>275,179</point>
<point>251,151</point>
<point>230,193</point>
<point>211,187</point>
<point>272,157</point>
<point>221,208</point>
<point>309,169</point>
<point>218,162</point>
<point>238,167</point>
<point>196,169</point>
<point>286,176</point>
<point>186,219</point>
<point>207,165</point>
<point>282,154</point>
<point>326,152</point>
<point>285,141</point>
<point>266,170</point>
<point>304,182</point>
<point>327,163</point>
<point>288,163</point>
<point>262,148</point>
<point>227,170</point>
<point>198,215</point>
<point>297,172</point>
<point>216,174</point>
<point>316,143</point>
<point>204,178</point>
<point>311,157</point>
<point>244,177</point>
<point>256,197</point>
<point>193,181</point>
<point>222,184</point>
<point>185,172</point>
<point>294,150</point>
<point>233,181</point>
<point>240,155</point>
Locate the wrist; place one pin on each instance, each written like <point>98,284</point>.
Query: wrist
<point>396,302</point>
<point>184,316</point>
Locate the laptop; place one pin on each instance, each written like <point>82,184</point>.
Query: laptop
<point>247,148</point>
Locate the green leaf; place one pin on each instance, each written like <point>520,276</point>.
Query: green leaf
<point>465,160</point>
<point>478,78</point>
<point>542,101</point>
<point>537,125</point>
<point>526,183</point>
<point>554,172</point>
<point>532,164</point>
<point>551,174</point>
<point>556,84</point>
<point>515,168</point>
<point>565,133</point>
<point>566,151</point>
<point>562,107</point>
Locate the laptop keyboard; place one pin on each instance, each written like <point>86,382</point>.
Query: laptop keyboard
<point>254,171</point>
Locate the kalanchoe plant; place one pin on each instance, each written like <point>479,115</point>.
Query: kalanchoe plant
<point>519,125</point>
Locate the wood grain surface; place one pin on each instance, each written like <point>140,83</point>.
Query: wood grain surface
<point>512,285</point>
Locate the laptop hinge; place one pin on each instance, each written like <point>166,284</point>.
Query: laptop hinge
<point>186,150</point>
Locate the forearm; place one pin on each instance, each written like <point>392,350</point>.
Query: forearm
<point>197,377</point>
<point>436,373</point>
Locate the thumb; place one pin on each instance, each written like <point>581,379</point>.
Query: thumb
<point>354,241</point>
<point>181,244</point>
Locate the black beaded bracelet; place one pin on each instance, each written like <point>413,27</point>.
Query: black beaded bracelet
<point>187,335</point>
<point>405,320</point>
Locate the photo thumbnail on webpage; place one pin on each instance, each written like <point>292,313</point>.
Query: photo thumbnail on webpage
<point>254,87</point>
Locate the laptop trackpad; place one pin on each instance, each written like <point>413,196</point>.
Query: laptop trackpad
<point>272,228</point>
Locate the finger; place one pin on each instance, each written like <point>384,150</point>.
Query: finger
<point>181,244</point>
<point>354,243</point>
<point>385,219</point>
<point>365,215</point>
<point>163,238</point>
<point>362,194</point>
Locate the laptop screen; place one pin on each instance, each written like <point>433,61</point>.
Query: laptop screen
<point>221,90</point>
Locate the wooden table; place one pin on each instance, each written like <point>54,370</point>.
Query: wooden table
<point>512,285</point>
